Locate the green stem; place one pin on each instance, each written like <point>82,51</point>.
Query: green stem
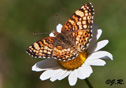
<point>88,83</point>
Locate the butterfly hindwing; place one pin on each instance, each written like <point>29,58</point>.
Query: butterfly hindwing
<point>64,50</point>
<point>80,38</point>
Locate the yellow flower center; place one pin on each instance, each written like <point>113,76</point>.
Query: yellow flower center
<point>76,62</point>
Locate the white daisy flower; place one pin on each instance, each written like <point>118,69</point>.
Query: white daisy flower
<point>80,67</point>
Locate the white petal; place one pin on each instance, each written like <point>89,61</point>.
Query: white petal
<point>99,33</point>
<point>94,30</point>
<point>58,28</point>
<point>81,73</point>
<point>96,62</point>
<point>94,27</point>
<point>56,75</point>
<point>72,78</point>
<point>89,68</point>
<point>46,64</point>
<point>101,44</point>
<point>35,68</point>
<point>51,35</point>
<point>106,57</point>
<point>47,74</point>
<point>86,68</point>
<point>64,75</point>
<point>96,35</point>
<point>100,54</point>
<point>98,46</point>
<point>61,74</point>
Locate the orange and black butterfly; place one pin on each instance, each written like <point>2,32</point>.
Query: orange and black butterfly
<point>73,37</point>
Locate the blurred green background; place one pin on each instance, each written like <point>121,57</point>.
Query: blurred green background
<point>20,18</point>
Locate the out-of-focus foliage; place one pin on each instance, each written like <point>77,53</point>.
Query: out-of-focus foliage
<point>20,18</point>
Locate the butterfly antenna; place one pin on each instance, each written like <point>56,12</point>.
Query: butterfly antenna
<point>40,33</point>
<point>56,18</point>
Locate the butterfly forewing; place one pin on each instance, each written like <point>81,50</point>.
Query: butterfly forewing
<point>81,19</point>
<point>79,26</point>
<point>42,48</point>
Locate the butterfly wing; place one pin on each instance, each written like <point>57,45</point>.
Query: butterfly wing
<point>82,19</point>
<point>51,47</point>
<point>64,50</point>
<point>80,38</point>
<point>42,48</point>
<point>79,26</point>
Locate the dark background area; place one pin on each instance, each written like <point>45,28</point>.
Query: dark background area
<point>20,18</point>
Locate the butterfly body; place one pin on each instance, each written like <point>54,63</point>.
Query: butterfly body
<point>72,38</point>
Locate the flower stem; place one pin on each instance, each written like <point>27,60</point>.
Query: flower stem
<point>88,83</point>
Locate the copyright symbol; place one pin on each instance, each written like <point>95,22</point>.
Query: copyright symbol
<point>108,81</point>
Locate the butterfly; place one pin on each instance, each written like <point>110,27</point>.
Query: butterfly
<point>74,37</point>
